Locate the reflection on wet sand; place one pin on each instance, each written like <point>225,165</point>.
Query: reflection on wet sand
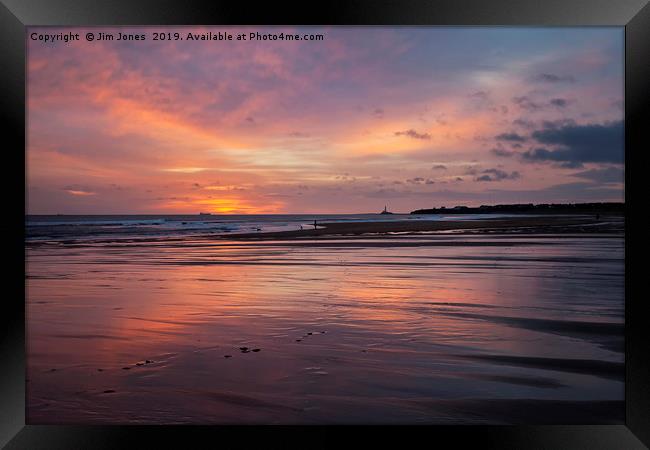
<point>419,329</point>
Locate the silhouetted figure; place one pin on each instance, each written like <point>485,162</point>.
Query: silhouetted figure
<point>314,224</point>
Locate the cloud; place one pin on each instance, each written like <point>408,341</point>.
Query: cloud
<point>606,175</point>
<point>523,123</point>
<point>553,78</point>
<point>558,123</point>
<point>497,175</point>
<point>502,152</point>
<point>511,137</point>
<point>414,134</point>
<point>470,170</point>
<point>600,143</point>
<point>416,180</point>
<point>570,165</point>
<point>526,103</point>
<point>559,102</point>
<point>481,95</point>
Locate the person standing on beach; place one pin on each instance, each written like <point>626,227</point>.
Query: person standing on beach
<point>314,224</point>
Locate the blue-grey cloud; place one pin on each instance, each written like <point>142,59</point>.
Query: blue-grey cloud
<point>481,95</point>
<point>511,137</point>
<point>570,165</point>
<point>497,175</point>
<point>606,175</point>
<point>559,102</point>
<point>523,123</point>
<point>502,152</point>
<point>600,143</point>
<point>553,78</point>
<point>526,103</point>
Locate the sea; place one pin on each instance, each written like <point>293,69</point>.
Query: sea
<point>65,227</point>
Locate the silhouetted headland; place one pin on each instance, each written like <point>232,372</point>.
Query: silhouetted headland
<point>525,208</point>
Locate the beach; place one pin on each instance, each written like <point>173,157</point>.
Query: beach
<point>507,320</point>
<point>524,224</point>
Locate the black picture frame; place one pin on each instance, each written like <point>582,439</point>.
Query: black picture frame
<point>15,15</point>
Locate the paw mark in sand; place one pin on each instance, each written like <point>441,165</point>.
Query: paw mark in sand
<point>227,356</point>
<point>109,391</point>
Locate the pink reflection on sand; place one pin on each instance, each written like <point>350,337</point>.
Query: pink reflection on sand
<point>349,334</point>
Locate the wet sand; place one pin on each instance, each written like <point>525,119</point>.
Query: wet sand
<point>548,224</point>
<point>487,325</point>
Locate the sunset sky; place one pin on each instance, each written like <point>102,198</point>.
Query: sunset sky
<point>408,117</point>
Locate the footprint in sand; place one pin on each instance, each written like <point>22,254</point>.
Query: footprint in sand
<point>247,349</point>
<point>311,333</point>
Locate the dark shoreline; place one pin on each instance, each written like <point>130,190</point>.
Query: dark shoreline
<point>559,226</point>
<point>520,225</point>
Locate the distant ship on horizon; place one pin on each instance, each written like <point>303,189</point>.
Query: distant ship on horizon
<point>205,214</point>
<point>385,211</point>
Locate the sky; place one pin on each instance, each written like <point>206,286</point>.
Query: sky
<point>408,117</point>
